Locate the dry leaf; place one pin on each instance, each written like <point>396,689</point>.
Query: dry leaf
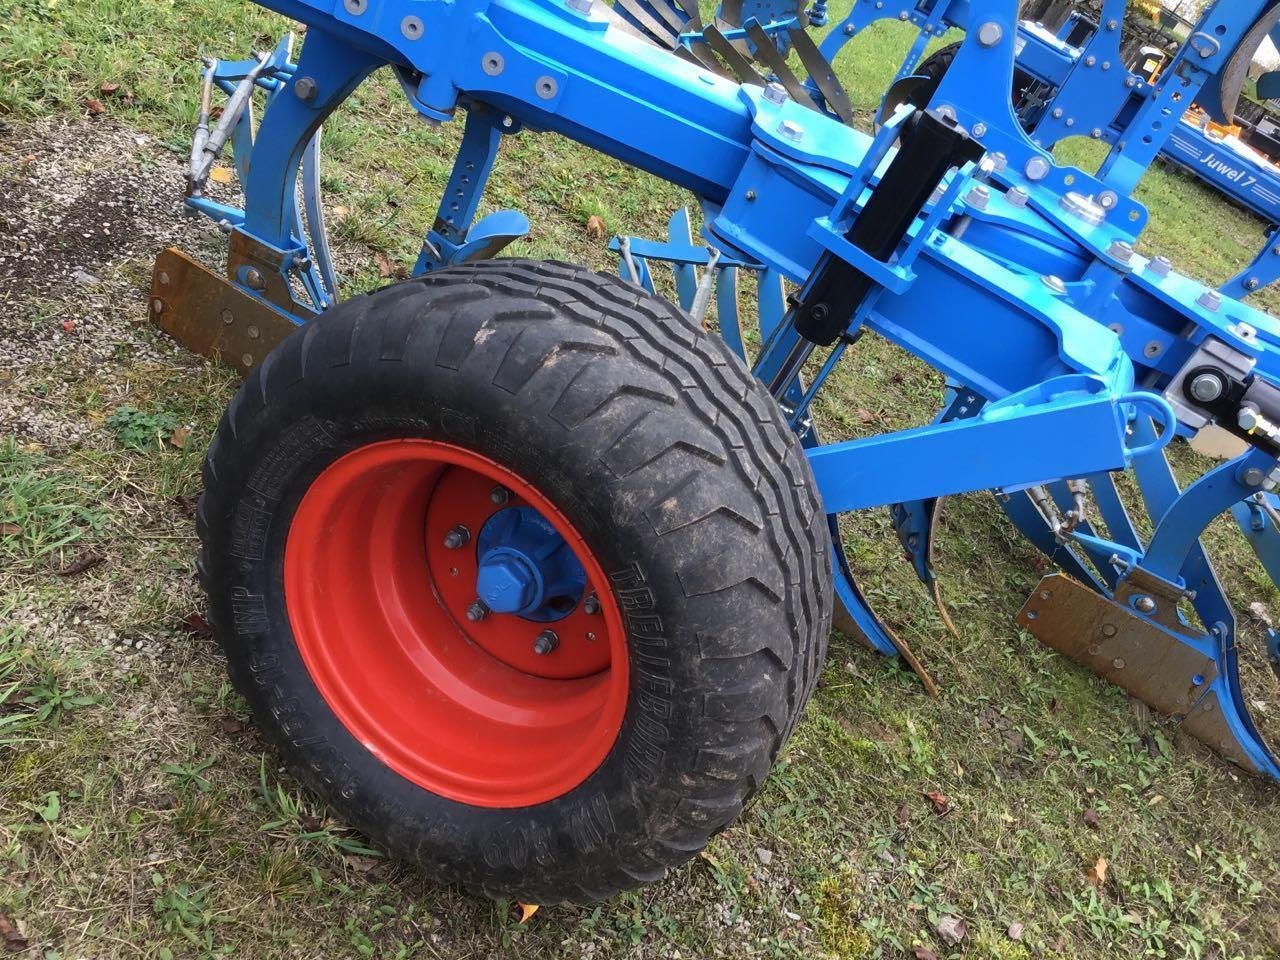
<point>220,174</point>
<point>363,864</point>
<point>1015,931</point>
<point>29,159</point>
<point>385,267</point>
<point>595,227</point>
<point>865,415</point>
<point>179,437</point>
<point>902,814</point>
<point>1097,874</point>
<point>107,89</point>
<point>1091,819</point>
<point>231,725</point>
<point>941,802</point>
<point>340,211</point>
<point>923,953</point>
<point>197,625</point>
<point>186,504</point>
<point>14,941</point>
<point>527,910</point>
<point>94,108</point>
<point>952,929</point>
<point>10,529</point>
<point>86,561</point>
<point>68,326</point>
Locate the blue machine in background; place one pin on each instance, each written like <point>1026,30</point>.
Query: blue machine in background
<point>951,231</point>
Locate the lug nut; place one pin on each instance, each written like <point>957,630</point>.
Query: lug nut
<point>457,537</point>
<point>591,604</point>
<point>499,495</point>
<point>545,642</point>
<point>477,611</point>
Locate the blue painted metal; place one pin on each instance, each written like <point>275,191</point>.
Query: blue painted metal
<point>1251,181</point>
<point>1062,339</point>
<point>526,568</point>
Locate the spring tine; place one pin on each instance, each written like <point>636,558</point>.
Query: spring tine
<point>736,61</point>
<point>824,78</point>
<point>768,53</point>
<point>311,202</point>
<point>695,55</point>
<point>202,125</point>
<point>702,296</point>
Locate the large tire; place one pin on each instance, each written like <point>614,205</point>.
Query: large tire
<point>649,439</point>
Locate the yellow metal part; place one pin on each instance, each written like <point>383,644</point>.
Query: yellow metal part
<point>210,315</point>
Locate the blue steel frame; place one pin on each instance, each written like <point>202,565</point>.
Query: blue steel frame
<point>1055,393</point>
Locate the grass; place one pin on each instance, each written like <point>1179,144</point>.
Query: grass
<point>140,815</point>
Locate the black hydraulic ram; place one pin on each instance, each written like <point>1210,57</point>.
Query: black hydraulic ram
<point>931,145</point>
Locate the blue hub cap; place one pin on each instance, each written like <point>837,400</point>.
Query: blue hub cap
<point>526,568</point>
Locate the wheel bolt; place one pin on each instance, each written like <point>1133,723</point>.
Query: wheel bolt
<point>500,495</point>
<point>477,611</point>
<point>591,604</point>
<point>457,537</point>
<point>545,642</point>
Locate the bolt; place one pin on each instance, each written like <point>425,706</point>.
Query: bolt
<point>157,306</point>
<point>255,280</point>
<point>1245,331</point>
<point>1118,663</point>
<point>1090,61</point>
<point>591,604</point>
<point>750,195</point>
<point>1207,387</point>
<point>499,495</point>
<point>1248,417</point>
<point>1037,168</point>
<point>849,30</point>
<point>457,537</point>
<point>1120,250</point>
<point>1253,477</point>
<point>1211,300</point>
<point>1108,199</point>
<point>1017,197</point>
<point>775,93</point>
<point>978,197</point>
<point>305,89</point>
<point>1096,133</point>
<point>477,611</point>
<point>1160,266</point>
<point>582,6</point>
<point>1253,283</point>
<point>990,33</point>
<point>791,130</point>
<point>1153,349</point>
<point>411,28</point>
<point>227,318</point>
<point>1144,604</point>
<point>1054,283</point>
<point>979,130</point>
<point>545,642</point>
<point>492,63</point>
<point>163,278</point>
<point>1108,630</point>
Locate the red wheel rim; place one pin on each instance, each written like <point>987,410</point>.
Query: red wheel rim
<point>464,709</point>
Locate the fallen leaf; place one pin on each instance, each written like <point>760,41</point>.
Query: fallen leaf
<point>865,415</point>
<point>220,174</point>
<point>385,267</point>
<point>107,89</point>
<point>197,625</point>
<point>179,437</point>
<point>14,941</point>
<point>1015,931</point>
<point>952,929</point>
<point>902,814</point>
<point>1097,874</point>
<point>68,326</point>
<point>941,802</point>
<point>363,864</point>
<point>595,227</point>
<point>86,561</point>
<point>29,159</point>
<point>1091,819</point>
<point>94,108</point>
<point>186,504</point>
<point>310,823</point>
<point>923,953</point>
<point>231,725</point>
<point>127,96</point>
<point>527,910</point>
<point>10,529</point>
<point>340,211</point>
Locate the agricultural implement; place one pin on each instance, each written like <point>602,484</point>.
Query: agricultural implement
<point>530,575</point>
